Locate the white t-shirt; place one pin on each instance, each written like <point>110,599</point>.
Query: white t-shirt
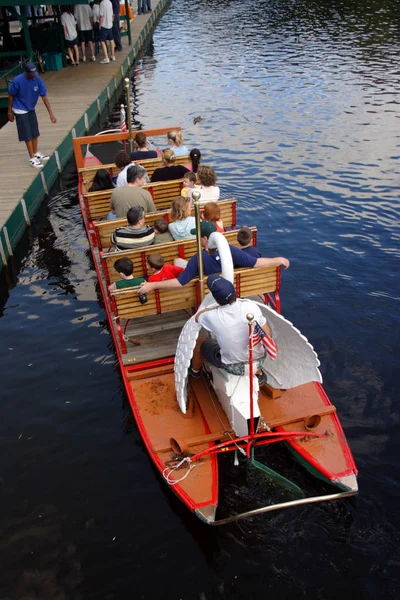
<point>230,327</point>
<point>180,230</point>
<point>68,21</point>
<point>83,14</point>
<point>208,194</point>
<point>96,13</point>
<point>106,11</point>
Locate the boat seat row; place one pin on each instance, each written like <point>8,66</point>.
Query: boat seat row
<point>87,173</point>
<point>248,282</point>
<point>104,229</point>
<point>179,249</point>
<point>97,204</point>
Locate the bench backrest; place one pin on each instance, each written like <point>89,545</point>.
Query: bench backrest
<point>171,250</point>
<point>247,282</point>
<point>150,165</point>
<point>104,229</point>
<point>97,204</point>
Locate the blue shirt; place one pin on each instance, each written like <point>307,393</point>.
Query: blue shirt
<point>212,264</point>
<point>26,92</point>
<point>252,250</point>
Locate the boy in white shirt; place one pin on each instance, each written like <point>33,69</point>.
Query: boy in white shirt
<point>105,33</point>
<point>71,35</point>
<point>84,20</point>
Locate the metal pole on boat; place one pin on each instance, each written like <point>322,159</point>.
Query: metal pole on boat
<point>196,199</point>
<point>250,319</point>
<point>128,108</point>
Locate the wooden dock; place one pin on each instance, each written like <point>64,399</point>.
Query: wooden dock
<point>76,95</point>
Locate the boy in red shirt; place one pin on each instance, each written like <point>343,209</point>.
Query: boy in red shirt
<point>159,271</point>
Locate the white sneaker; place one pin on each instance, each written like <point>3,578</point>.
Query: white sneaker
<point>93,58</point>
<point>83,58</point>
<point>41,156</point>
<point>112,57</point>
<point>35,162</point>
<point>105,61</point>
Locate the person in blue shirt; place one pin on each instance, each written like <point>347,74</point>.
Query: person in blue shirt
<point>244,237</point>
<point>211,263</point>
<point>24,93</point>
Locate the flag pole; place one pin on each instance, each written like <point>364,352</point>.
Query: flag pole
<point>250,319</point>
<point>128,108</point>
<point>196,198</point>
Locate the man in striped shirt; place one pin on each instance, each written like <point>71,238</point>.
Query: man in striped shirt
<point>136,234</point>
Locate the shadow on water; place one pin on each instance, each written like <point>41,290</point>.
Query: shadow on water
<point>300,108</point>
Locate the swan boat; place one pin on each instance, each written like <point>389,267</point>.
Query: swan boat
<point>190,426</point>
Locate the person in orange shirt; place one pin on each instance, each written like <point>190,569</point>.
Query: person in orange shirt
<point>212,212</point>
<point>160,271</point>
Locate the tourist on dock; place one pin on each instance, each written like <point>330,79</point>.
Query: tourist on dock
<point>116,27</point>
<point>84,20</point>
<point>24,93</point>
<point>180,221</point>
<point>169,171</point>
<point>162,235</point>
<point>212,212</point>
<point>102,181</point>
<point>195,158</point>
<point>96,23</point>
<point>144,6</point>
<point>71,34</point>
<point>105,33</point>
<point>189,182</point>
<point>122,199</point>
<point>212,263</point>
<point>142,152</point>
<point>122,161</point>
<point>244,237</point>
<point>229,349</point>
<point>206,180</point>
<point>159,271</point>
<point>136,234</point>
<point>175,141</point>
<point>124,268</point>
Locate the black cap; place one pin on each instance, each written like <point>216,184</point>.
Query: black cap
<point>206,229</point>
<point>30,67</point>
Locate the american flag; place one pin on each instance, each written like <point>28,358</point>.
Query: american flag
<point>259,335</point>
<point>123,119</point>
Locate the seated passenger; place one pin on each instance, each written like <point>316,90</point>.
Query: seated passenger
<point>142,152</point>
<point>244,237</point>
<point>189,181</point>
<point>212,212</point>
<point>212,263</point>
<point>175,142</point>
<point>123,161</point>
<point>169,170</point>
<point>206,179</point>
<point>136,234</point>
<point>160,271</point>
<point>101,181</point>
<point>124,268</point>
<point>132,194</point>
<point>162,235</point>
<point>195,158</point>
<point>180,221</point>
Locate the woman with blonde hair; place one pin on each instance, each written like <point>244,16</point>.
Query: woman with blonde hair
<point>175,141</point>
<point>169,170</point>
<point>206,179</point>
<point>212,212</point>
<point>180,220</point>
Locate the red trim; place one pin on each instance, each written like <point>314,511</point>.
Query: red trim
<point>234,215</point>
<point>151,190</point>
<point>150,365</point>
<point>237,285</point>
<point>144,262</point>
<point>158,303</point>
<point>181,249</point>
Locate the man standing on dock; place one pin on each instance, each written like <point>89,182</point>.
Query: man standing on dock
<point>24,93</point>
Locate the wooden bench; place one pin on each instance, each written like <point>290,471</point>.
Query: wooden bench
<point>248,282</point>
<point>104,229</point>
<point>97,204</point>
<point>171,250</point>
<point>86,174</point>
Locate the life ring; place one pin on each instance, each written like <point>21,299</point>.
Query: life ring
<point>217,241</point>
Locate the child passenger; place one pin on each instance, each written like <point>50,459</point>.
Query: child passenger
<point>212,212</point>
<point>244,237</point>
<point>124,268</point>
<point>160,271</point>
<point>162,235</point>
<point>189,181</point>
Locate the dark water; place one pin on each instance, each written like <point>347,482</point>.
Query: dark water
<point>301,121</point>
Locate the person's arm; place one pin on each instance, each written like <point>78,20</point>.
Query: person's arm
<point>47,105</point>
<point>198,315</point>
<point>10,112</point>
<point>112,287</point>
<point>272,262</point>
<point>169,284</point>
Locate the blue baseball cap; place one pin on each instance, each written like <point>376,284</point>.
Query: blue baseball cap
<point>221,288</point>
<point>30,67</point>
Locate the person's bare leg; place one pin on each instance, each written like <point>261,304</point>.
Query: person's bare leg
<point>35,145</point>
<point>69,51</point>
<point>112,47</point>
<point>91,47</point>
<point>83,49</point>
<point>104,46</point>
<point>76,50</point>
<point>29,146</point>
